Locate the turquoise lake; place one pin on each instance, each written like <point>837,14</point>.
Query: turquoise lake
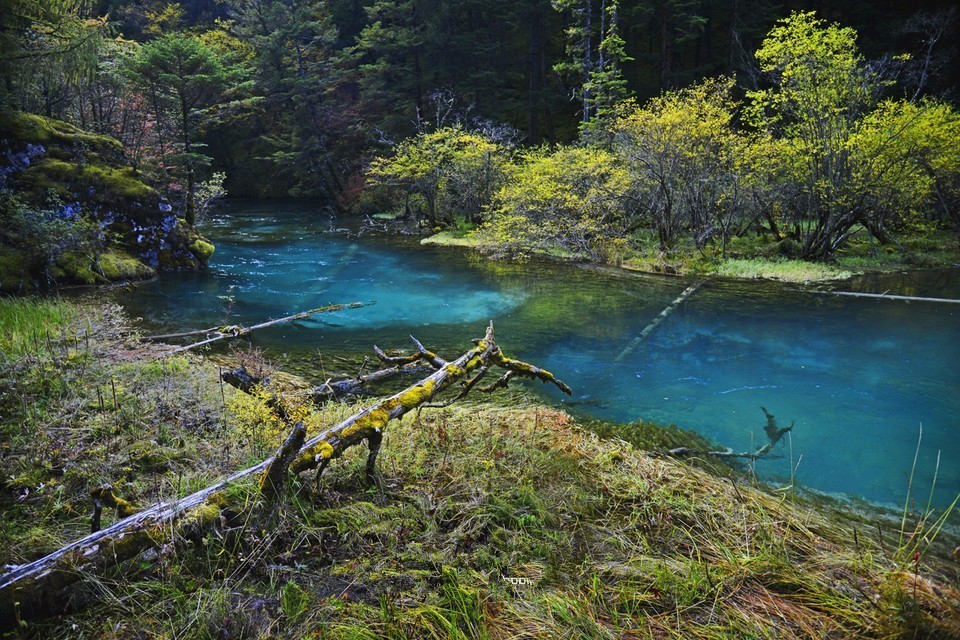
<point>858,377</point>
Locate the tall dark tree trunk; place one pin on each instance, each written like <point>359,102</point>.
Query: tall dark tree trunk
<point>191,207</point>
<point>665,54</point>
<point>535,74</point>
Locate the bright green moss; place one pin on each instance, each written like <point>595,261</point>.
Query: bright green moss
<point>202,516</point>
<point>75,268</point>
<point>36,129</point>
<point>201,249</point>
<point>109,183</point>
<point>117,265</point>
<point>113,265</point>
<point>415,396</point>
<point>375,419</point>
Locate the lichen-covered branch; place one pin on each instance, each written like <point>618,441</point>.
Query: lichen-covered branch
<point>104,495</point>
<point>369,424</point>
<point>233,331</point>
<point>36,588</point>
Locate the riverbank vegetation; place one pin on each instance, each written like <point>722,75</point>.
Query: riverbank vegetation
<point>821,136</point>
<point>826,160</point>
<point>490,520</point>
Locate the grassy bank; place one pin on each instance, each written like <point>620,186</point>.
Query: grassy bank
<point>756,258</point>
<point>505,520</point>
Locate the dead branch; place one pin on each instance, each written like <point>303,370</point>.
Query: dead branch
<point>39,587</point>
<point>774,434</point>
<point>274,478</point>
<point>234,331</point>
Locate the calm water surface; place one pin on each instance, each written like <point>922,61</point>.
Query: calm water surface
<point>858,377</point>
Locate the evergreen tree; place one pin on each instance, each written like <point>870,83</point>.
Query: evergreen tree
<point>44,46</point>
<point>184,77</point>
<point>595,55</point>
<point>304,109</point>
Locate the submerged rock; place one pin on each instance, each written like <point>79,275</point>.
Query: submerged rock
<point>75,213</point>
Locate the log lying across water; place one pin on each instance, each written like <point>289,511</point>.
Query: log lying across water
<point>41,587</point>
<point>215,334</point>
<point>887,296</point>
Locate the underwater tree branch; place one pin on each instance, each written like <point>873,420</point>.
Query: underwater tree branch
<point>774,434</point>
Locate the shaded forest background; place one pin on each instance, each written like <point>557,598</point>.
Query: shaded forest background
<point>294,97</point>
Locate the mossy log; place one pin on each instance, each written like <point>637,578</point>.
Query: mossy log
<point>242,379</point>
<point>369,424</point>
<point>41,587</point>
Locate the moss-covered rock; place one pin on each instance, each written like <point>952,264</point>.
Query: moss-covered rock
<point>42,158</point>
<point>201,249</point>
<point>117,264</point>
<point>36,129</point>
<point>114,265</point>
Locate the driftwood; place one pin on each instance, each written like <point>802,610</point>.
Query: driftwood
<point>331,389</point>
<point>234,331</point>
<point>887,296</point>
<point>663,315</point>
<point>40,587</point>
<point>774,434</point>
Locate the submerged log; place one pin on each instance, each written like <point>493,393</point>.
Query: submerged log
<point>663,315</point>
<point>774,433</point>
<point>887,296</point>
<point>40,587</point>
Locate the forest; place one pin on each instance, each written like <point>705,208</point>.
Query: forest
<point>621,134</point>
<point>718,241</point>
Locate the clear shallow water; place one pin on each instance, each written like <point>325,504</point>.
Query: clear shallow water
<point>857,376</point>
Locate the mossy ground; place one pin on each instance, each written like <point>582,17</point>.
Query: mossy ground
<point>63,165</point>
<point>108,184</point>
<point>489,521</point>
<point>27,127</point>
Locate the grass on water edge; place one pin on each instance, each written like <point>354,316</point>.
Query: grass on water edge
<point>757,258</point>
<point>490,521</point>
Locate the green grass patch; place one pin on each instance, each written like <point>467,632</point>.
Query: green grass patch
<point>29,325</point>
<point>454,238</point>
<point>784,270</point>
<point>488,521</point>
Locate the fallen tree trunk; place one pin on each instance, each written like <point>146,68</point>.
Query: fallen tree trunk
<point>235,331</point>
<point>332,389</point>
<point>40,587</point>
<point>887,296</point>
